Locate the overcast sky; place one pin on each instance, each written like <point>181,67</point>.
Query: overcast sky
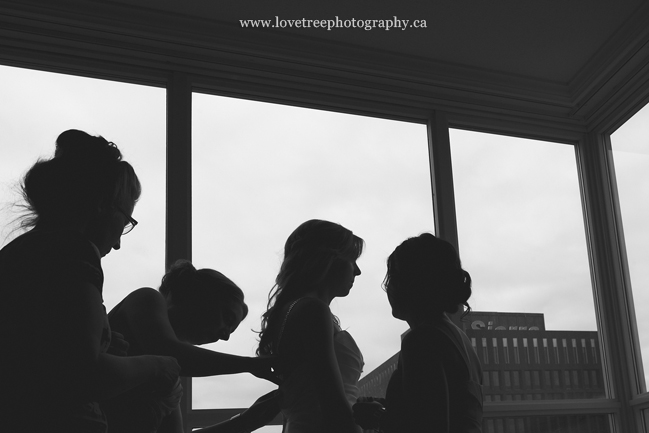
<point>260,170</point>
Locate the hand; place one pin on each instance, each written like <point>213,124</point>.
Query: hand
<point>167,390</point>
<point>118,345</point>
<point>162,402</point>
<point>166,373</point>
<point>368,412</point>
<point>266,367</point>
<point>171,398</point>
<point>262,411</point>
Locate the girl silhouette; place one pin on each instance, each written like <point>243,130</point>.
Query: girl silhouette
<point>322,363</point>
<point>437,384</point>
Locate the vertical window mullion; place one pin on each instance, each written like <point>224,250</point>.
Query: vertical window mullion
<point>441,172</point>
<point>613,303</point>
<point>179,198</point>
<point>442,178</point>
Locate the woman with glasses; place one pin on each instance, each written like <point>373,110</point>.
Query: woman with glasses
<point>53,324</point>
<point>192,307</point>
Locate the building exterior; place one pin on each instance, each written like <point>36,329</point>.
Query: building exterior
<point>523,361</point>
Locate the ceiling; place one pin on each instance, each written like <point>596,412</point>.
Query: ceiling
<point>562,59</point>
<point>547,40</point>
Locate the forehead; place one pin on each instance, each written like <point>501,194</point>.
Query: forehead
<point>349,255</point>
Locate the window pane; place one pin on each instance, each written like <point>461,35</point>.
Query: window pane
<point>548,424</point>
<point>260,170</point>
<point>37,106</point>
<point>522,239</point>
<point>630,144</point>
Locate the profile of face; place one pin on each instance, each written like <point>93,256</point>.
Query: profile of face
<point>342,275</point>
<point>392,289</point>
<point>209,322</point>
<point>106,232</point>
<point>398,311</point>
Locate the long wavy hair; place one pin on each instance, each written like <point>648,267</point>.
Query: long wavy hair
<point>309,254</point>
<point>425,275</point>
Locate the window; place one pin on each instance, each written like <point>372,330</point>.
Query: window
<point>515,200</point>
<point>521,237</point>
<point>37,106</point>
<point>260,170</point>
<point>630,148</point>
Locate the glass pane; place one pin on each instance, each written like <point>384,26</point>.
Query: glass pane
<point>260,170</point>
<point>630,144</point>
<point>522,239</point>
<point>265,429</point>
<point>270,429</point>
<point>548,424</point>
<point>37,106</point>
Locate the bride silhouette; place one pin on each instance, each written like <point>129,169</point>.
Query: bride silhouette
<point>321,362</point>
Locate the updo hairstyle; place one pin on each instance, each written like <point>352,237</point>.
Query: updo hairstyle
<point>183,283</point>
<point>85,177</point>
<point>425,275</point>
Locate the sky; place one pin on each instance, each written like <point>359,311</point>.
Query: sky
<point>259,170</point>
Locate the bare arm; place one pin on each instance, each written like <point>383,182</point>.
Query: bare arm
<point>145,311</point>
<point>76,357</point>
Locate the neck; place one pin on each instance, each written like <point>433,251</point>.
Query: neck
<point>425,319</point>
<point>322,297</point>
<point>321,294</point>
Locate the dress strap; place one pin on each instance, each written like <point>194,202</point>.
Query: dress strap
<point>281,331</point>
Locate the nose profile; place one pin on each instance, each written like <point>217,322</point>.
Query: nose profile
<point>357,270</point>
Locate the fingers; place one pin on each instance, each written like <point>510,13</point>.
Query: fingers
<point>269,375</point>
<point>118,345</point>
<point>368,414</point>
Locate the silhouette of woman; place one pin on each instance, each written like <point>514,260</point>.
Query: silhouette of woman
<point>437,384</point>
<point>322,363</point>
<point>53,324</point>
<point>193,307</point>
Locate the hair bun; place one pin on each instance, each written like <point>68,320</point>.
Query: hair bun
<point>461,291</point>
<point>181,274</point>
<point>78,145</point>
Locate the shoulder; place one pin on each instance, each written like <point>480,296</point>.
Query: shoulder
<point>427,339</point>
<point>309,310</point>
<point>424,333</point>
<point>57,243</point>
<point>54,256</point>
<point>144,294</point>
<point>308,316</point>
<point>307,304</point>
<point>143,299</point>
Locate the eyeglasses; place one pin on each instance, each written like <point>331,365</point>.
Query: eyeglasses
<point>130,221</point>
